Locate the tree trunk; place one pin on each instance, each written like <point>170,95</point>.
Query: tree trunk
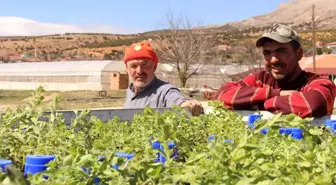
<point>183,78</point>
<point>184,82</point>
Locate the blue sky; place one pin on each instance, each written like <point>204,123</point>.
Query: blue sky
<point>135,14</point>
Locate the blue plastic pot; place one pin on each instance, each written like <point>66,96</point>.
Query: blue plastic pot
<point>96,180</point>
<point>37,163</point>
<point>4,163</point>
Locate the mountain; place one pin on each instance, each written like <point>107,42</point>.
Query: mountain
<point>296,13</point>
<point>79,42</point>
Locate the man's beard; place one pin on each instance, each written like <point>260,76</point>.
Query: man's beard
<point>278,71</point>
<point>144,82</point>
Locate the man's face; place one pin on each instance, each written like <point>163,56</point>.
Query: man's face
<point>141,72</point>
<point>280,59</point>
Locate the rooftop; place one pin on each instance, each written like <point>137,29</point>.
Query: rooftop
<point>325,64</point>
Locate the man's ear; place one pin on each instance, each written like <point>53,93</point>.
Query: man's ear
<point>299,53</point>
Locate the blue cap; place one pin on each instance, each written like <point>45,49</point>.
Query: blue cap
<point>251,119</point>
<point>264,131</point>
<point>157,145</point>
<point>228,141</point>
<point>331,125</point>
<point>96,180</point>
<point>4,163</point>
<point>211,137</point>
<point>126,155</point>
<point>296,133</point>
<point>160,158</point>
<point>171,144</point>
<point>115,166</point>
<point>39,159</point>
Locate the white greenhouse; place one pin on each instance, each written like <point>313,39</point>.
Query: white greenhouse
<point>64,76</point>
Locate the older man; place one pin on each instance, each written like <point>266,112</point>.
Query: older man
<point>146,90</point>
<point>283,86</point>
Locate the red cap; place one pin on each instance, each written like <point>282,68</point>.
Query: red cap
<point>142,50</point>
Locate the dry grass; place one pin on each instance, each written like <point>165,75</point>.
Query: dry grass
<point>90,99</point>
<point>13,97</point>
<point>70,100</point>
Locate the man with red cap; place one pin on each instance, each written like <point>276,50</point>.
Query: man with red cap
<point>283,87</point>
<point>146,90</point>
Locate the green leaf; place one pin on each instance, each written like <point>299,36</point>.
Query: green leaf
<point>306,164</point>
<point>196,158</point>
<point>316,132</point>
<point>245,181</point>
<point>67,160</point>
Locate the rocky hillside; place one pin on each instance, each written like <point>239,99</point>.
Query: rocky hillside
<point>297,13</point>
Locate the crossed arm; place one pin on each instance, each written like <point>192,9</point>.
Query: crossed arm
<point>315,100</point>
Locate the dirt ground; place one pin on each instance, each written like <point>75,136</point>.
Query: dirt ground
<point>70,100</point>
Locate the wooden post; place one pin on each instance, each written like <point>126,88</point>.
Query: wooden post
<point>314,41</point>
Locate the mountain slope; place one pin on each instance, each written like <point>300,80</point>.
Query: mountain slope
<point>296,13</point>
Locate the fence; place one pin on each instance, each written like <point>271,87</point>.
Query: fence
<point>196,81</point>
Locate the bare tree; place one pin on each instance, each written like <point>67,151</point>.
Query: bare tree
<point>253,56</point>
<point>249,56</point>
<point>185,47</point>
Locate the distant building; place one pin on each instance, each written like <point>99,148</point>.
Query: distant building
<point>64,76</point>
<point>332,46</point>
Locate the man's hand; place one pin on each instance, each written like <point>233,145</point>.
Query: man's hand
<point>208,92</point>
<point>194,106</point>
<point>286,93</point>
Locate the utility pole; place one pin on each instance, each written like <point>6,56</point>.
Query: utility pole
<point>314,42</point>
